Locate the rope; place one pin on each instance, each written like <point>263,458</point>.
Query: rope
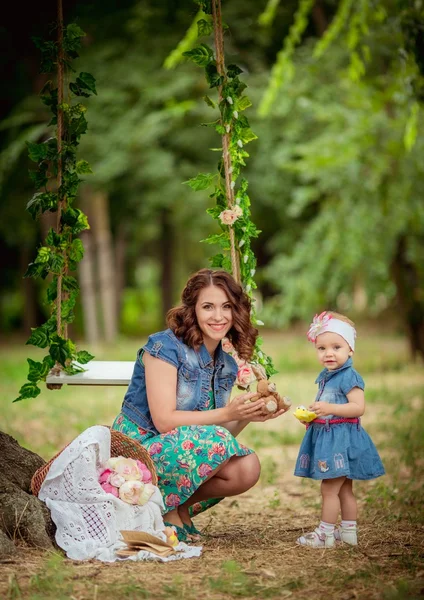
<point>220,66</point>
<point>59,149</point>
<point>61,201</point>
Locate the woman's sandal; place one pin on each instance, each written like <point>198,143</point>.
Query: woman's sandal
<point>182,534</point>
<point>192,530</point>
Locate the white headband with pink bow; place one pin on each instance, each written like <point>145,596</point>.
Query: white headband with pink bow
<point>325,322</point>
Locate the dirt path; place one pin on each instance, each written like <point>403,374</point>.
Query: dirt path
<point>251,552</point>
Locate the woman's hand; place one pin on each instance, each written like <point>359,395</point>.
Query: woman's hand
<point>239,410</point>
<point>266,417</point>
<point>322,409</point>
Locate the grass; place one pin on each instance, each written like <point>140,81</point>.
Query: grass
<point>251,552</point>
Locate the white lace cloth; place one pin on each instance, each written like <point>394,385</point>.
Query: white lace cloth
<point>88,519</point>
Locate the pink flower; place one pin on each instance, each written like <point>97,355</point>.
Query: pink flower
<point>204,470</point>
<point>218,448</point>
<point>146,476</point>
<point>245,375</point>
<point>239,361</point>
<point>183,481</point>
<point>187,445</point>
<point>110,489</point>
<point>130,491</point>
<point>126,467</point>
<point>196,508</point>
<point>105,475</point>
<point>228,216</point>
<point>116,480</point>
<point>172,500</point>
<point>227,346</point>
<point>319,325</point>
<point>155,448</point>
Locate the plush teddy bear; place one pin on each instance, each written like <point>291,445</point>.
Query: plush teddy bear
<point>273,401</point>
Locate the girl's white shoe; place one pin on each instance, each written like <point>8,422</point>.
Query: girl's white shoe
<point>348,535</point>
<point>316,539</point>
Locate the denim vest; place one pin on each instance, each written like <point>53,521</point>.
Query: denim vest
<point>333,386</point>
<point>196,377</point>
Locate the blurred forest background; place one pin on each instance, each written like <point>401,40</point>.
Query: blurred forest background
<point>336,176</point>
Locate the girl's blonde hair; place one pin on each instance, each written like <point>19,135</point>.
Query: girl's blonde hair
<point>340,317</point>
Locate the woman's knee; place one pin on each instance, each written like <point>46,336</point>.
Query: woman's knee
<point>250,470</point>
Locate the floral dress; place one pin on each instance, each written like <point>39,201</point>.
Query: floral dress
<point>185,456</point>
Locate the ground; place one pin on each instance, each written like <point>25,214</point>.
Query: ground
<point>250,551</point>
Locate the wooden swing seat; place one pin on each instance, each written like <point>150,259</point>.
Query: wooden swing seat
<point>98,372</point>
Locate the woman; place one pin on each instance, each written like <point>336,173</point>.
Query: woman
<point>177,402</point>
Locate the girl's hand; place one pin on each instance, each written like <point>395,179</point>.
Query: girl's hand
<point>239,410</point>
<point>266,417</point>
<point>322,409</point>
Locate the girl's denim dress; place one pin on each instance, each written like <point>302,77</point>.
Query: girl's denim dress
<point>331,450</point>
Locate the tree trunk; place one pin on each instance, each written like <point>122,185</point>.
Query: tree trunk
<point>120,264</point>
<point>86,269</point>
<point>28,291</point>
<point>105,263</point>
<point>166,249</point>
<point>319,18</point>
<point>22,516</point>
<point>409,297</point>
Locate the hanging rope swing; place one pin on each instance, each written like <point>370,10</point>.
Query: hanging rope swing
<point>226,155</point>
<point>120,372</point>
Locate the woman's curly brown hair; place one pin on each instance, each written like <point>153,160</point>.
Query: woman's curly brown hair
<point>183,322</point>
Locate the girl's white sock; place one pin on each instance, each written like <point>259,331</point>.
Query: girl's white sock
<point>348,524</point>
<point>347,533</point>
<point>326,528</point>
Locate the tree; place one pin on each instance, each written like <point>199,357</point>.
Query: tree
<point>351,151</point>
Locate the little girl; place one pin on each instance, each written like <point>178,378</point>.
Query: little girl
<point>336,449</point>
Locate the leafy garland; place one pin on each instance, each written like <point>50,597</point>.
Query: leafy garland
<point>233,217</point>
<point>56,182</point>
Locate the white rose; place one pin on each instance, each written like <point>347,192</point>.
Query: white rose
<point>228,217</point>
<point>130,491</point>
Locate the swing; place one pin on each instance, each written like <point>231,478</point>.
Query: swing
<point>98,372</point>
<point>114,373</point>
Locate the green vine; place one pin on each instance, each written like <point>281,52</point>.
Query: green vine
<point>283,69</point>
<point>232,218</point>
<point>56,181</point>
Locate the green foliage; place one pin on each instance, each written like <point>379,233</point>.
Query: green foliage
<point>283,68</point>
<point>201,182</point>
<point>199,27</point>
<point>352,189</point>
<point>62,250</point>
<point>267,16</point>
<point>201,55</point>
<point>235,127</point>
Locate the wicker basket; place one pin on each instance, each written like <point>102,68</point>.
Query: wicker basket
<point>120,445</point>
